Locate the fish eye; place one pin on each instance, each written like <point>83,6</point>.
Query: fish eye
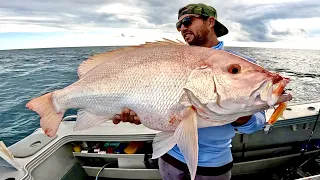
<point>234,68</point>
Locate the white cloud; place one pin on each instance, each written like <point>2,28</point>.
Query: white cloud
<point>12,27</point>
<point>255,2</point>
<point>296,23</point>
<point>250,22</point>
<point>8,18</point>
<point>118,8</point>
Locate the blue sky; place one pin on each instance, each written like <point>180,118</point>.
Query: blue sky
<point>60,23</point>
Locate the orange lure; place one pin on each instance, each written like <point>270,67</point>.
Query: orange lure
<point>277,113</point>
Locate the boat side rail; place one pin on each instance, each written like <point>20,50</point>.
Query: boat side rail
<point>70,118</point>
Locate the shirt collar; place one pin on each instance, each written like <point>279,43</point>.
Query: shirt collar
<point>218,46</point>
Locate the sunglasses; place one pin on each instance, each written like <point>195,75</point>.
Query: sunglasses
<point>187,21</point>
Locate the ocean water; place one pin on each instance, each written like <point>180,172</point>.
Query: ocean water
<point>25,74</point>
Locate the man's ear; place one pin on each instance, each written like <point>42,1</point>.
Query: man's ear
<point>211,21</point>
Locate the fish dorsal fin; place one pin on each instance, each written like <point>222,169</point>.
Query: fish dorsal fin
<point>166,42</point>
<point>179,42</point>
<point>98,59</point>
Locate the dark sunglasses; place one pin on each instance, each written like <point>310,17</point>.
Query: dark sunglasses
<point>187,21</point>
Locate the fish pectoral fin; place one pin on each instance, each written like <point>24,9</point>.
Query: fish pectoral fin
<point>162,143</point>
<point>87,120</point>
<point>186,136</point>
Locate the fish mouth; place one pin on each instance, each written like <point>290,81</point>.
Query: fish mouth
<point>271,92</point>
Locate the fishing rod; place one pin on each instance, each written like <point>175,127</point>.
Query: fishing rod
<point>304,150</point>
<point>295,168</point>
<point>311,134</point>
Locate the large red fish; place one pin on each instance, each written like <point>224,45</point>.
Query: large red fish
<point>173,87</point>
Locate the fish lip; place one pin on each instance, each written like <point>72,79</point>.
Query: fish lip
<point>255,95</point>
<point>284,98</point>
<point>277,91</point>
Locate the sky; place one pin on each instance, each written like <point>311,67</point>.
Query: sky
<point>72,23</point>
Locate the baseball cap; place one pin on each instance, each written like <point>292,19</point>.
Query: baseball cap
<point>206,11</point>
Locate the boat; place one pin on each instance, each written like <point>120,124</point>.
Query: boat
<point>123,151</point>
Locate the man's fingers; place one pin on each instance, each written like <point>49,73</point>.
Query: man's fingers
<point>125,110</point>
<point>132,113</point>
<point>116,119</point>
<point>136,120</point>
<point>131,116</point>
<point>126,116</point>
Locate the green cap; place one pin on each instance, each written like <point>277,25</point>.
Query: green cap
<point>207,11</point>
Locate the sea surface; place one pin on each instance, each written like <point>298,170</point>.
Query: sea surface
<point>25,74</point>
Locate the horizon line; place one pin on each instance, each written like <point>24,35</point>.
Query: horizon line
<point>53,47</point>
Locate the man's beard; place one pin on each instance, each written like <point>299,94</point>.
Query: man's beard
<point>200,37</point>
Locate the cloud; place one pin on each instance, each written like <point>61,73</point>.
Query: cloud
<point>67,15</point>
<point>255,20</point>
<point>248,21</point>
<point>73,14</point>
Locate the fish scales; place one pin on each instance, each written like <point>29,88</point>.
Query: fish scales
<point>172,87</point>
<point>158,84</point>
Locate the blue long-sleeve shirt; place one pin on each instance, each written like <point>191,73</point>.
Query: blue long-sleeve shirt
<point>215,142</point>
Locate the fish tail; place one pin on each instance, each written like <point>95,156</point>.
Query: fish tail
<point>50,119</point>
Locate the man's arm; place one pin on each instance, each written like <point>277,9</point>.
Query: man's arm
<point>250,124</point>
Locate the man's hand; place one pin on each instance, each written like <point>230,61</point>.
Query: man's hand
<point>126,116</point>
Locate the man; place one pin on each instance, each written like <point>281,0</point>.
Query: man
<point>199,26</point>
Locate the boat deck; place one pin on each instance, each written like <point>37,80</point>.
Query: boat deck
<point>34,154</point>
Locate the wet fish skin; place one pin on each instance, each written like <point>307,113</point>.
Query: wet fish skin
<point>173,88</point>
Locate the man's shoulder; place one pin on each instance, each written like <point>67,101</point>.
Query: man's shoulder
<point>241,55</point>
